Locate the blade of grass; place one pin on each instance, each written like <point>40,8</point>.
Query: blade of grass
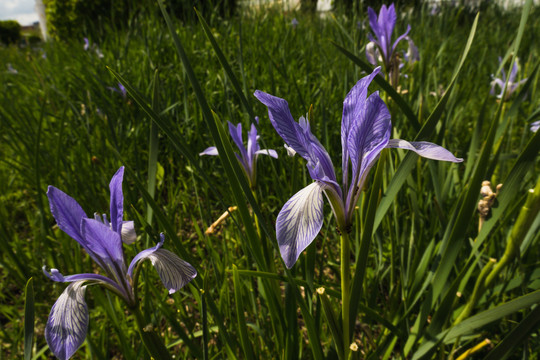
<point>29,313</point>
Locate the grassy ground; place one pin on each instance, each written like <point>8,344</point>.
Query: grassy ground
<point>62,125</point>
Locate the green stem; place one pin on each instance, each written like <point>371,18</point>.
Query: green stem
<point>345,289</point>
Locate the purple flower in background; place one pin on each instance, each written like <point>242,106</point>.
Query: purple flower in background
<point>121,90</point>
<point>365,132</point>
<point>68,321</point>
<point>11,69</point>
<point>294,23</point>
<point>512,84</point>
<point>535,126</point>
<point>247,157</point>
<point>381,48</point>
<point>86,44</point>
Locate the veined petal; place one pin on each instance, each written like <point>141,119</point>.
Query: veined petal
<point>117,200</point>
<point>387,21</point>
<point>369,134</point>
<point>67,212</point>
<point>68,321</point>
<point>425,149</point>
<point>174,272</point>
<point>282,120</point>
<point>104,243</point>
<point>268,152</point>
<point>128,232</point>
<point>298,136</point>
<point>377,30</point>
<point>353,106</point>
<point>55,275</point>
<point>299,222</point>
<point>212,150</point>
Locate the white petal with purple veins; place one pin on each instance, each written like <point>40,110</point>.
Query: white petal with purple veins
<point>425,149</point>
<point>299,221</point>
<point>269,152</point>
<point>174,272</point>
<point>68,321</point>
<point>212,150</point>
<point>128,232</point>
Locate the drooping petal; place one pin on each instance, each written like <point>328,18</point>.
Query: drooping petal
<point>425,149</point>
<point>290,150</point>
<point>268,152</point>
<point>495,82</point>
<point>299,222</point>
<point>412,53</point>
<point>353,105</point>
<point>55,275</point>
<point>174,272</point>
<point>212,150</point>
<point>282,120</point>
<point>298,136</point>
<point>128,232</point>
<point>117,200</point>
<point>105,244</point>
<point>68,321</point>
<point>371,53</point>
<point>368,135</point>
<point>535,126</point>
<point>67,212</point>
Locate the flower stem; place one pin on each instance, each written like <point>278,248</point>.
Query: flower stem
<point>345,288</point>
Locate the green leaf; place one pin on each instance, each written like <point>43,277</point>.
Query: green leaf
<point>29,313</point>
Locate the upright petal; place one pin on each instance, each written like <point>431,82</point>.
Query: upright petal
<point>425,149</point>
<point>236,134</point>
<point>387,21</point>
<point>174,272</point>
<point>105,244</point>
<point>117,200</point>
<point>513,73</point>
<point>68,321</point>
<point>67,212</point>
<point>369,134</point>
<point>212,150</point>
<point>299,221</point>
<point>353,106</point>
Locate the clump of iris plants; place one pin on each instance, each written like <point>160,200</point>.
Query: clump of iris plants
<point>102,239</point>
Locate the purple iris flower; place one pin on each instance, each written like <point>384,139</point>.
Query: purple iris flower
<point>365,132</point>
<point>381,47</point>
<point>121,90</point>
<point>294,23</point>
<point>512,84</point>
<point>86,44</point>
<point>68,321</point>
<point>247,157</point>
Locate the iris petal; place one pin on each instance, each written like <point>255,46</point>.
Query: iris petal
<point>117,200</point>
<point>212,150</point>
<point>128,232</point>
<point>269,152</point>
<point>67,212</point>
<point>68,321</point>
<point>425,149</point>
<point>299,222</point>
<point>104,243</point>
